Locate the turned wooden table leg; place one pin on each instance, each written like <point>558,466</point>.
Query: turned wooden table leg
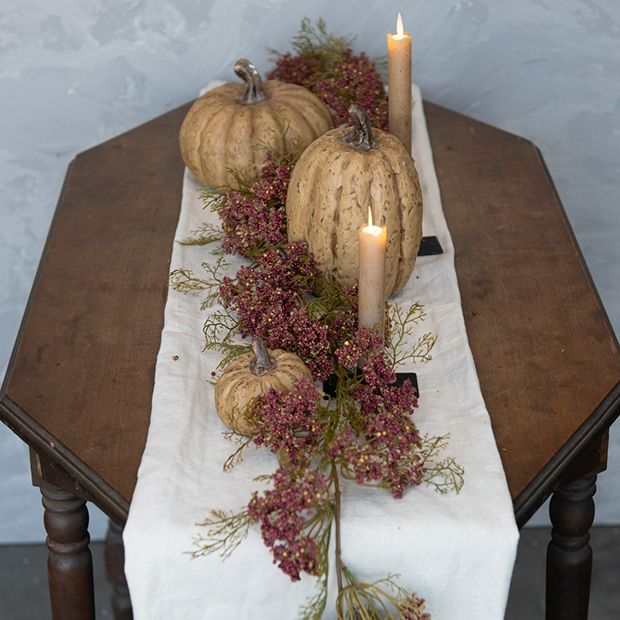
<point>69,564</point>
<point>115,572</point>
<point>569,555</point>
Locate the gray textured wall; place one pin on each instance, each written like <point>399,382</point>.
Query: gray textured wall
<point>76,72</point>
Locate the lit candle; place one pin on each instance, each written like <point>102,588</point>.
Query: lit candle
<point>371,284</point>
<point>399,82</point>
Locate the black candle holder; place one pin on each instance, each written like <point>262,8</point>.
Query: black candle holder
<point>430,246</point>
<point>329,386</point>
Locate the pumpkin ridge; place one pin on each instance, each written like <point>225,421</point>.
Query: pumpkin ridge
<point>323,109</point>
<point>186,141</point>
<point>222,146</point>
<point>344,262</point>
<point>276,129</point>
<point>334,237</point>
<point>309,181</point>
<point>203,138</point>
<point>239,369</point>
<point>322,119</point>
<point>281,128</point>
<point>252,134</point>
<point>237,143</point>
<point>408,176</point>
<point>343,195</point>
<point>393,176</point>
<point>344,163</point>
<point>321,114</point>
<point>289,363</point>
<point>298,228</point>
<point>296,91</point>
<point>210,119</point>
<point>288,371</point>
<point>192,143</point>
<point>313,178</point>
<point>293,111</point>
<point>187,138</point>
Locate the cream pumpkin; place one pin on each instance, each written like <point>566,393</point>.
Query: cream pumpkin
<point>337,179</point>
<point>233,127</point>
<point>251,375</point>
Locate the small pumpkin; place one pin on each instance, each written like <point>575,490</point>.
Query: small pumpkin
<point>251,375</point>
<point>338,178</point>
<point>234,126</point>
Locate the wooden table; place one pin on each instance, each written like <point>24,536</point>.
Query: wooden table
<point>78,389</point>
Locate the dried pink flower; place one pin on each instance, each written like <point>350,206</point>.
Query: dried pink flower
<point>287,422</point>
<point>256,218</point>
<point>284,513</point>
<point>268,300</point>
<point>353,78</point>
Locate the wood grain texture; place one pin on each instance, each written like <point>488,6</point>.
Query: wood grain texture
<point>80,382</point>
<point>545,353</point>
<point>82,372</point>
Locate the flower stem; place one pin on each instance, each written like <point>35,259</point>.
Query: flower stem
<point>339,565</point>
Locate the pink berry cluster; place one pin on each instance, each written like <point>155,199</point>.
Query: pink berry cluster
<point>301,69</point>
<point>268,300</point>
<point>385,450</point>
<point>284,514</point>
<point>352,79</point>
<point>255,219</point>
<point>287,422</point>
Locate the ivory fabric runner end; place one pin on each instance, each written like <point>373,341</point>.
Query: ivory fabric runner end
<point>457,551</point>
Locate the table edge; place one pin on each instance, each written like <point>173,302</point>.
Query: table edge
<point>46,445</point>
<point>582,260</point>
<point>32,433</point>
<point>542,485</point>
<point>35,282</point>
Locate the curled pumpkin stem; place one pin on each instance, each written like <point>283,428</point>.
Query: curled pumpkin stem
<point>254,89</point>
<point>360,136</point>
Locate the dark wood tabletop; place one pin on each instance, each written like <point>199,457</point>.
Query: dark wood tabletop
<point>79,385</point>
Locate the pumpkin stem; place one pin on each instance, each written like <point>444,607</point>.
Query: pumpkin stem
<point>254,90</point>
<point>263,362</point>
<point>360,136</point>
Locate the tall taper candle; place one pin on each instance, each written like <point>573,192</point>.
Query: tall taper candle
<point>399,84</point>
<point>371,284</point>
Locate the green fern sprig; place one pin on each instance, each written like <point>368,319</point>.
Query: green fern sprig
<point>227,530</point>
<point>401,327</point>
<point>203,235</point>
<point>313,39</point>
<point>445,475</point>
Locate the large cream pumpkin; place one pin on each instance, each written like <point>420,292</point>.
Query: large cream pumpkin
<point>232,128</point>
<point>338,178</point>
<point>251,375</point>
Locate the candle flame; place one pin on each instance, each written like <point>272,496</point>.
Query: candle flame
<point>400,31</point>
<point>373,229</point>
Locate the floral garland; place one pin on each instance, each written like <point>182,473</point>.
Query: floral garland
<point>364,432</point>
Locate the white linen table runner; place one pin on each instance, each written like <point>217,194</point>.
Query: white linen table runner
<point>456,551</point>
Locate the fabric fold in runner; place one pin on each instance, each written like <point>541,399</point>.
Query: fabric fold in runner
<point>456,551</point>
